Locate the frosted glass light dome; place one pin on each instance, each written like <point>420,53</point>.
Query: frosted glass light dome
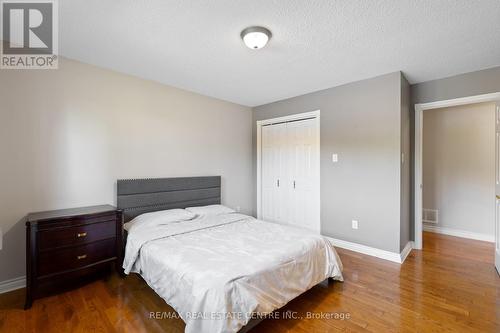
<point>255,37</point>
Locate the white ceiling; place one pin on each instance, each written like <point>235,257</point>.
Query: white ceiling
<point>195,44</point>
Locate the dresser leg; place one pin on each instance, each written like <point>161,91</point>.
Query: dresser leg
<point>119,269</point>
<point>28,303</point>
<point>31,246</point>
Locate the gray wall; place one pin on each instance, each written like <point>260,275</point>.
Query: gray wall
<point>459,166</point>
<point>361,122</point>
<point>66,135</point>
<point>463,85</point>
<point>469,84</point>
<point>405,219</point>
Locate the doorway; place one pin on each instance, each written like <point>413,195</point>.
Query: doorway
<point>420,214</point>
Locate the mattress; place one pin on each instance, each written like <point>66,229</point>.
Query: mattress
<point>218,272</point>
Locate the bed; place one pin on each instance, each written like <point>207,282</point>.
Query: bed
<point>222,271</point>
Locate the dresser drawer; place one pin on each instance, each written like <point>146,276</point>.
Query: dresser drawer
<point>82,234</point>
<point>60,260</point>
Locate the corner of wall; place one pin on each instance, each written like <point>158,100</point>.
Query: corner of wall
<point>405,170</point>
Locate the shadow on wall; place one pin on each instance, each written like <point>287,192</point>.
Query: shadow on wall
<point>13,252</point>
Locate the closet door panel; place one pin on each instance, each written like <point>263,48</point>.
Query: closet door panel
<point>282,172</point>
<point>303,143</point>
<point>267,174</point>
<point>273,161</point>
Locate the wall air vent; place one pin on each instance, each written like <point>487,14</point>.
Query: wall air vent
<point>430,216</point>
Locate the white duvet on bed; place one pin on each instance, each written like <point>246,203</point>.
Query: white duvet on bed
<point>216,271</point>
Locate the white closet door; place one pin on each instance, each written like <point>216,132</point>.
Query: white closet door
<point>274,164</point>
<point>497,188</point>
<point>303,203</point>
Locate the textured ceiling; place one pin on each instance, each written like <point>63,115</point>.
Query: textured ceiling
<point>317,44</point>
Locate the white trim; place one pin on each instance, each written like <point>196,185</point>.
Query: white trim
<point>259,172</point>
<point>460,101</point>
<point>291,117</point>
<point>497,232</point>
<point>460,233</point>
<point>419,120</point>
<point>406,251</point>
<point>298,116</point>
<point>372,251</point>
<point>419,108</point>
<point>12,284</point>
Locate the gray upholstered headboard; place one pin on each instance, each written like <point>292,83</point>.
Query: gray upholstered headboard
<point>139,196</point>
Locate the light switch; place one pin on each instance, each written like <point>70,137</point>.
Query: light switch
<point>335,158</point>
<point>354,224</point>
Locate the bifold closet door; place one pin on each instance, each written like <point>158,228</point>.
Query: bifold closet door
<point>290,173</point>
<point>274,164</point>
<point>303,202</point>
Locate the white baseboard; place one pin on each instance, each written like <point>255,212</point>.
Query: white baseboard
<point>13,284</point>
<point>374,252</point>
<point>459,233</point>
<point>406,251</point>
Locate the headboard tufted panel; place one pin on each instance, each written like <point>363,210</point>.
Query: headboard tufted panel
<point>139,196</point>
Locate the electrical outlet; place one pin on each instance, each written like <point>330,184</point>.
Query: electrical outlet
<point>354,224</point>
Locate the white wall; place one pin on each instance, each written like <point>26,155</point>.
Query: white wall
<point>459,166</point>
<point>66,135</point>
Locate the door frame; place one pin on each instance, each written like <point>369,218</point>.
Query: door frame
<point>293,117</point>
<point>417,155</point>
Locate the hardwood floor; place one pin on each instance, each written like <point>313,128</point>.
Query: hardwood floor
<point>450,286</point>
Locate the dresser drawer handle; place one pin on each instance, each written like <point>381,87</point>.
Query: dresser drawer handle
<point>83,256</point>
<point>81,234</point>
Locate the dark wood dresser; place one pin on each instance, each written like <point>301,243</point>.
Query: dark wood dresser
<point>67,248</point>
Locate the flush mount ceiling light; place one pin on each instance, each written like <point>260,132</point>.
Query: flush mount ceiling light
<point>256,37</point>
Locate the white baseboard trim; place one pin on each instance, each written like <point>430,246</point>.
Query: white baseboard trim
<point>406,251</point>
<point>13,284</point>
<point>459,233</point>
<point>372,251</point>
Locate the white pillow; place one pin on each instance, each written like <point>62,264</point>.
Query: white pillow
<point>160,217</point>
<point>210,210</point>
